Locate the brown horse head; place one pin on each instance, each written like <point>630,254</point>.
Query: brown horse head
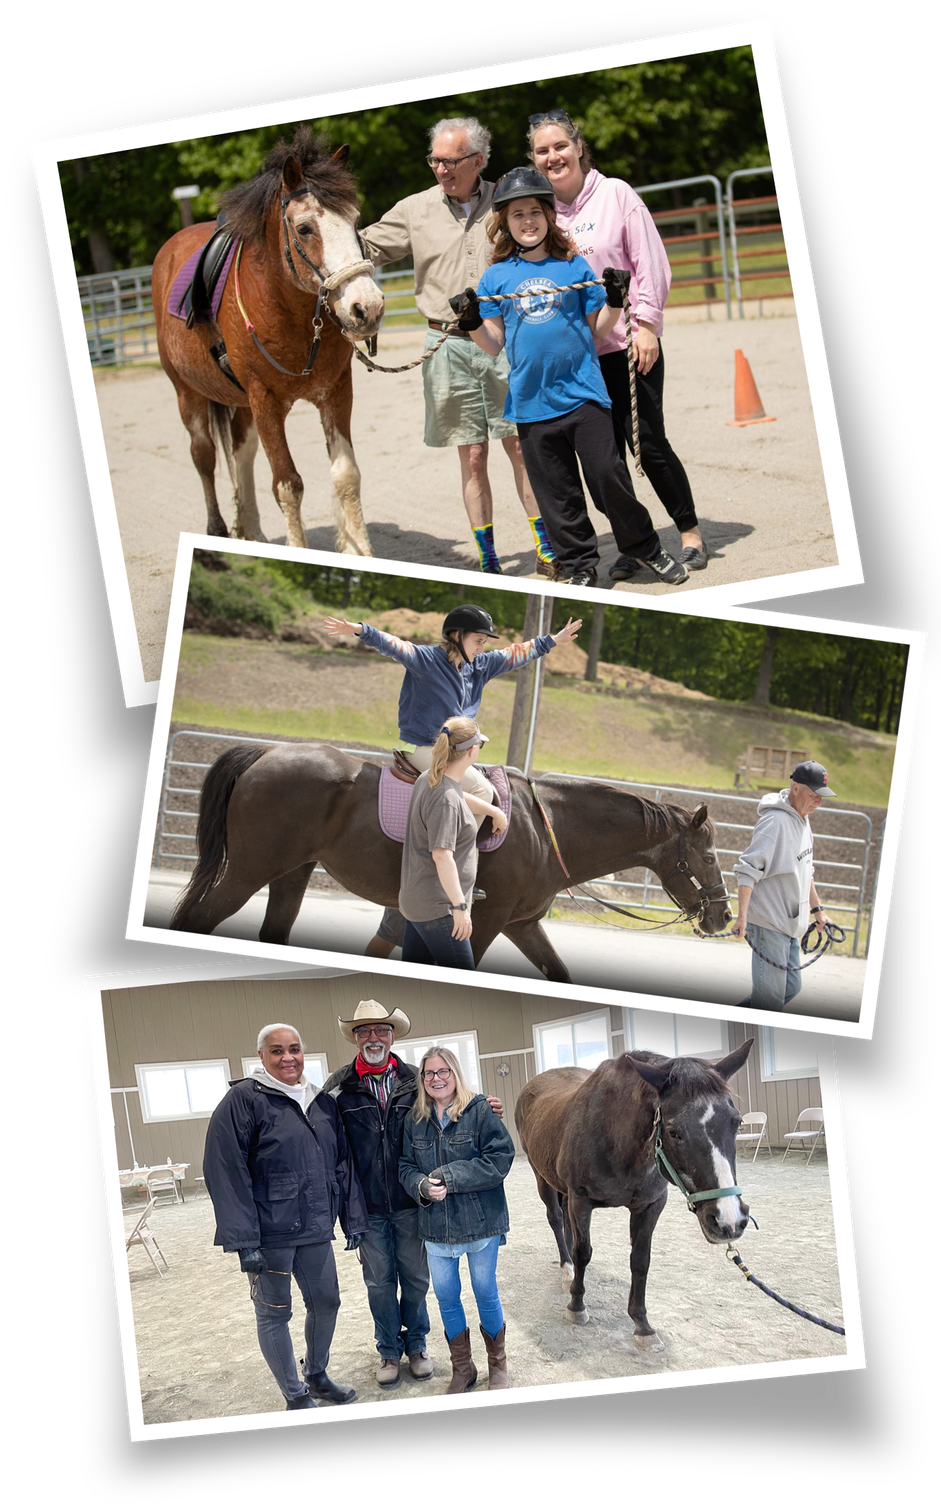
<point>698,1123</point>
<point>690,872</point>
<point>303,202</point>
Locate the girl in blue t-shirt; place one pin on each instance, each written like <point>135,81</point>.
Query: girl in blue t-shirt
<point>557,397</point>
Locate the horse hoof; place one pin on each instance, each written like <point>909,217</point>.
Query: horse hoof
<point>579,1318</point>
<point>648,1344</point>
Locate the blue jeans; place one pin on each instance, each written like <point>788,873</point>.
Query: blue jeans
<point>773,986</point>
<point>446,1278</point>
<point>433,944</point>
<point>394,1261</point>
<point>315,1270</point>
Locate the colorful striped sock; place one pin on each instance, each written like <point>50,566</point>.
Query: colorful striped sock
<point>543,546</point>
<point>483,539</point>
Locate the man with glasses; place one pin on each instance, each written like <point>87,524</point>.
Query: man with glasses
<point>445,231</point>
<point>374,1095</point>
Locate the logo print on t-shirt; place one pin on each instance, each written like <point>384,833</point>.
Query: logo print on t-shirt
<point>538,300</point>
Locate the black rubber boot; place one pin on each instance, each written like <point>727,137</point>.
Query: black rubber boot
<point>301,1402</point>
<point>326,1388</point>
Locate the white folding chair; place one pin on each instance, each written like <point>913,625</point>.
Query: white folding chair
<point>141,1234</point>
<point>754,1128</point>
<point>161,1179</point>
<point>802,1135</point>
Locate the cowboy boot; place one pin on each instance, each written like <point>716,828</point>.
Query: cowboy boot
<point>463,1367</point>
<point>496,1358</point>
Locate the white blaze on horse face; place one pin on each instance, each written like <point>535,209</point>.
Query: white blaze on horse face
<point>357,302</point>
<point>729,1207</point>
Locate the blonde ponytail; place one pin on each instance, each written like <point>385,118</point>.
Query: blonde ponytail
<point>454,731</point>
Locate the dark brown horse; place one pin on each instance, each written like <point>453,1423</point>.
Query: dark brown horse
<point>591,1138</point>
<point>297,224</point>
<point>266,816</point>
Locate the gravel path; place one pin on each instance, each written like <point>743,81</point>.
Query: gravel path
<point>199,1359</point>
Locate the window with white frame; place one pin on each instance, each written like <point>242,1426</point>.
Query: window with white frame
<point>675,1036</point>
<point>462,1045</point>
<point>583,1040</point>
<point>178,1092</point>
<point>786,1055</point>
<point>315,1067</point>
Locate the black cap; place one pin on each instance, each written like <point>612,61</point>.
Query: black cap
<point>522,183</point>
<point>811,773</point>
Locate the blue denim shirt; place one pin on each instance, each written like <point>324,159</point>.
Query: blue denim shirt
<point>473,1157</point>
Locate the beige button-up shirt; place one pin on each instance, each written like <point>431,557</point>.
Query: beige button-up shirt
<point>450,250</point>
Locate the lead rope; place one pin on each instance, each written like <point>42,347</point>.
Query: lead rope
<point>740,1264</point>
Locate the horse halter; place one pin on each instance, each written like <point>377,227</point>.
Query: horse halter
<point>691,1197</point>
<point>692,913</point>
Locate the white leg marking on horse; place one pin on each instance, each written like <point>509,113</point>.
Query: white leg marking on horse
<point>248,522</point>
<point>729,1208</point>
<point>290,500</point>
<point>352,537</point>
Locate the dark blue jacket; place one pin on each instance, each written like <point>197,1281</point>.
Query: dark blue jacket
<point>374,1134</point>
<point>473,1156</point>
<point>279,1177</point>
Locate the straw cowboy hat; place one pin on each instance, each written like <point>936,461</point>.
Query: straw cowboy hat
<point>373,1014</point>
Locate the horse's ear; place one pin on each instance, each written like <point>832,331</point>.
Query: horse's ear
<point>656,1075</point>
<point>733,1062</point>
<point>342,155</point>
<point>292,174</point>
<point>700,814</point>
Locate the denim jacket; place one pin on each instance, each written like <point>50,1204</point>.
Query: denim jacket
<point>473,1157</point>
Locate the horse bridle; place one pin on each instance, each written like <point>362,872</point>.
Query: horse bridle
<point>691,1197</point>
<point>707,894</point>
<point>327,283</point>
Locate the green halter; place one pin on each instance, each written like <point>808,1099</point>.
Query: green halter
<point>692,1198</point>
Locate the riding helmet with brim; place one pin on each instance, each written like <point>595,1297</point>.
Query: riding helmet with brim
<point>469,617</point>
<point>522,183</point>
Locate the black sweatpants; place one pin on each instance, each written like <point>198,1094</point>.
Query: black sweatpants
<point>660,462</point>
<point>552,450</point>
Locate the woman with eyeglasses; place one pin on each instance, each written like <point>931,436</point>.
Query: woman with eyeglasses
<point>611,227</point>
<point>439,856</point>
<point>456,1154</point>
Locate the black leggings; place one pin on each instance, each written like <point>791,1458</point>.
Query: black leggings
<point>657,457</point>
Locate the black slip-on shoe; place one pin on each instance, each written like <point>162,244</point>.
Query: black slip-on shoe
<point>301,1402</point>
<point>667,569</point>
<point>694,559</point>
<point>326,1388</point>
<point>624,568</point>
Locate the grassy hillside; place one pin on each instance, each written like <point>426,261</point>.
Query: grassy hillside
<point>273,689</point>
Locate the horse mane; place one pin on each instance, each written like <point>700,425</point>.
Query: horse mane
<point>661,820</point>
<point>693,1077</point>
<point>247,205</point>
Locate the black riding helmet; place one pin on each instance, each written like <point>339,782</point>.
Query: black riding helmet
<point>467,618</point>
<point>522,183</point>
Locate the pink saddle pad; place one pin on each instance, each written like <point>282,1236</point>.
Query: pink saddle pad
<point>395,796</point>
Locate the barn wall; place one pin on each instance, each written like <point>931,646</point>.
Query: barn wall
<point>220,1019</point>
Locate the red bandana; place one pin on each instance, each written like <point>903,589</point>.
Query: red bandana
<point>362,1068</point>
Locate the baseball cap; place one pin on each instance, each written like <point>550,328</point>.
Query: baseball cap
<point>811,773</point>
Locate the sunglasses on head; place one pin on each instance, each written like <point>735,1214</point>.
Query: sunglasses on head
<point>550,115</point>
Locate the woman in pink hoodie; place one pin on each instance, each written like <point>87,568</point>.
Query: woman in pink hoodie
<point>611,227</point>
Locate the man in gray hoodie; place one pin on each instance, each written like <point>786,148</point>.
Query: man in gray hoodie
<point>776,891</point>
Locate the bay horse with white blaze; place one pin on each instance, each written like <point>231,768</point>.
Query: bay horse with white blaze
<point>268,815</point>
<point>298,259</point>
<point>597,1138</point>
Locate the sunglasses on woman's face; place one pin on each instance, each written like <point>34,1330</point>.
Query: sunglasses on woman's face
<point>549,115</point>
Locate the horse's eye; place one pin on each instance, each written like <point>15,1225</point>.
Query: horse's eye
<point>304,230</point>
<point>675,1135</point>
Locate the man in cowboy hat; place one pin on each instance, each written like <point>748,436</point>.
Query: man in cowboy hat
<point>374,1095</point>
<point>776,891</point>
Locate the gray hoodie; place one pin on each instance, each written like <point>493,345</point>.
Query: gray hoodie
<point>779,865</point>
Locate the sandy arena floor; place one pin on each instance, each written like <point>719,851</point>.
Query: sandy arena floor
<point>199,1358</point>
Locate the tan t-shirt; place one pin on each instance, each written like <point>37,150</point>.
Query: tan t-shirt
<point>450,250</point>
<point>438,818</point>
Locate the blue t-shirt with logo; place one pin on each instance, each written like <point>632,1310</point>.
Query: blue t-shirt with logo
<point>553,363</point>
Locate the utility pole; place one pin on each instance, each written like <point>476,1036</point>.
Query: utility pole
<point>594,645</point>
<point>528,684</point>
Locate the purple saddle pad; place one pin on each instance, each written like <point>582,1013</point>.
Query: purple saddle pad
<point>177,302</point>
<point>395,796</point>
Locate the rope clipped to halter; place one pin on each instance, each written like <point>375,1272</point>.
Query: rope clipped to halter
<point>739,1263</point>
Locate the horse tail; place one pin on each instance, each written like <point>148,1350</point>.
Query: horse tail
<point>210,827</point>
<point>220,428</point>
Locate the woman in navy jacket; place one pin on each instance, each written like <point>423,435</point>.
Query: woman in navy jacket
<point>279,1174</point>
<point>456,1154</point>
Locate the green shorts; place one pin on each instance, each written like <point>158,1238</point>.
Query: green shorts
<point>465,394</point>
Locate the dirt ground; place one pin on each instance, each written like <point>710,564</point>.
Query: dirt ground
<point>199,1359</point>
<point>760,491</point>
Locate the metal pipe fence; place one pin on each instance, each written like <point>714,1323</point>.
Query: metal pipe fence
<point>851,903</point>
<point>700,236</point>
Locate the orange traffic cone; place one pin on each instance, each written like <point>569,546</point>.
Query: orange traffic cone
<point>748,406</point>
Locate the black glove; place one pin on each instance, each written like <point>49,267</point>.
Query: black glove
<point>251,1261</point>
<point>353,1242</point>
<point>617,281</point>
<point>467,308</point>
